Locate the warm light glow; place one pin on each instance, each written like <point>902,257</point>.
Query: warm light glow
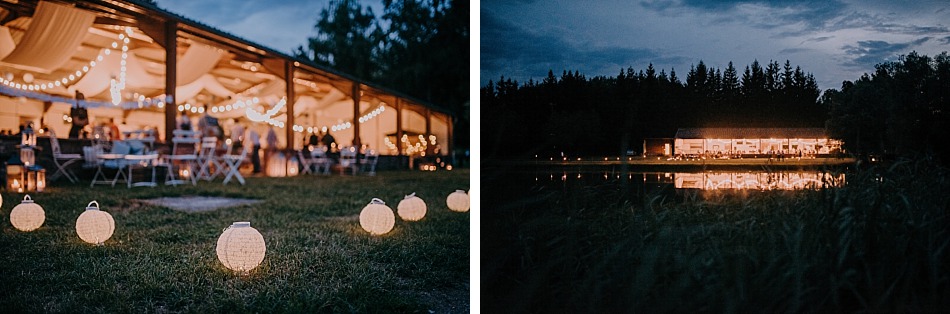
<point>411,208</point>
<point>377,218</point>
<point>458,201</point>
<point>27,216</point>
<point>95,226</point>
<point>241,247</point>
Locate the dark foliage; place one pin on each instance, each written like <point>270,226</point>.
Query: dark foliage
<point>902,108</point>
<point>419,47</point>
<point>608,115</point>
<point>878,245</point>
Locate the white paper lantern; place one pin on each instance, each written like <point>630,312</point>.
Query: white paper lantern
<point>411,208</point>
<point>28,215</point>
<point>241,247</point>
<point>377,218</point>
<point>95,226</point>
<point>458,201</point>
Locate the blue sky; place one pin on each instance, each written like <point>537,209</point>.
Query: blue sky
<point>835,40</point>
<point>281,25</point>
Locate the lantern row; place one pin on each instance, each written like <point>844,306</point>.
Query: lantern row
<point>240,247</point>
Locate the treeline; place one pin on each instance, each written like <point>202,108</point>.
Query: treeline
<point>902,108</point>
<point>608,115</point>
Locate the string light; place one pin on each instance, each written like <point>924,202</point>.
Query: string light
<point>73,76</point>
<point>365,118</point>
<point>116,87</point>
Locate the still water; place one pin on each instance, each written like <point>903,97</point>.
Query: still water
<point>709,180</point>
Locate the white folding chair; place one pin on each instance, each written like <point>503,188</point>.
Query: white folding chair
<point>140,161</point>
<point>184,155</point>
<point>208,160</point>
<point>109,161</point>
<point>61,160</point>
<point>233,165</point>
<point>305,162</point>
<point>348,160</point>
<point>319,159</point>
<point>368,162</point>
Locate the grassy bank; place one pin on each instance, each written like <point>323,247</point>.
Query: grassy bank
<point>318,258</point>
<point>878,244</point>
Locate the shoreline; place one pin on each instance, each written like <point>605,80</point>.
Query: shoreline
<point>662,163</point>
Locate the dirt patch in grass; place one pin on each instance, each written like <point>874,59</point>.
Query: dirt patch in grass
<point>197,204</point>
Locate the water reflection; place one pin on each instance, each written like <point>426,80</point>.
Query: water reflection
<point>708,180</point>
<point>758,180</point>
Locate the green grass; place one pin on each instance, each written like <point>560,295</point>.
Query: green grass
<point>318,258</point>
<point>879,244</point>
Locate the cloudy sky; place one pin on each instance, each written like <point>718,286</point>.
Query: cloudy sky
<point>835,40</point>
<point>281,25</point>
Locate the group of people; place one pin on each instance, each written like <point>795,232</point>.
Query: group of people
<point>321,139</point>
<point>209,126</point>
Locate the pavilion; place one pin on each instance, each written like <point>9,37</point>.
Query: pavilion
<point>743,141</point>
<point>144,67</point>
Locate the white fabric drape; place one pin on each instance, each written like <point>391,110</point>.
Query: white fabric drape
<point>273,89</point>
<point>54,34</point>
<point>197,61</point>
<point>6,42</point>
<point>332,98</point>
<point>97,79</point>
<point>138,77</point>
<point>206,82</point>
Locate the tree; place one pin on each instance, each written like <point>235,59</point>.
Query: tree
<point>419,47</point>
<point>347,39</point>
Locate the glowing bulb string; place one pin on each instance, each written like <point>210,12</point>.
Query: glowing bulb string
<point>73,76</point>
<point>140,104</point>
<point>116,87</point>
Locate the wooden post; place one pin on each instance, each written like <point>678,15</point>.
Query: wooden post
<point>356,117</point>
<point>289,126</point>
<point>428,131</point>
<point>450,141</point>
<point>171,78</point>
<point>399,132</point>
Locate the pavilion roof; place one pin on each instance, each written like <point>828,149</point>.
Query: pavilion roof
<point>708,133</point>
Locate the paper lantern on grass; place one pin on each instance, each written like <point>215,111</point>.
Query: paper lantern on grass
<point>95,226</point>
<point>458,201</point>
<point>241,247</point>
<point>377,218</point>
<point>411,208</point>
<point>28,215</point>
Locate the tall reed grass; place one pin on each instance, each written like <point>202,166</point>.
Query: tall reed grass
<point>878,244</point>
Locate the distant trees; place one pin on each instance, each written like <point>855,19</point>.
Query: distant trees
<point>577,115</point>
<point>902,108</point>
<point>419,47</point>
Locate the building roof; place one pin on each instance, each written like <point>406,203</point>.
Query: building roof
<point>751,133</point>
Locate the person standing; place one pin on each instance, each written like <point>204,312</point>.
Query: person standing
<point>271,141</point>
<point>237,135</point>
<point>328,140</point>
<point>255,140</point>
<point>314,139</point>
<point>184,122</point>
<point>114,134</point>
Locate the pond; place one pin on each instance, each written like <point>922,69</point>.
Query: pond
<point>701,180</point>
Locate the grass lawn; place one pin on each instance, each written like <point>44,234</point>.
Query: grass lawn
<point>318,258</point>
<point>881,243</point>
